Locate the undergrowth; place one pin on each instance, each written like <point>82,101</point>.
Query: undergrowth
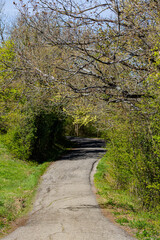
<point>125,207</point>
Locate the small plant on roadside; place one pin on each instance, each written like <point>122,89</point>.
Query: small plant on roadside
<point>126,208</point>
<point>122,220</point>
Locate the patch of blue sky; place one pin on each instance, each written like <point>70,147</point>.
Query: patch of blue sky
<point>9,9</point>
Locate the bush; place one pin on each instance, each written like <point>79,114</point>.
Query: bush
<point>49,136</point>
<point>20,138</point>
<point>37,136</point>
<point>134,161</point>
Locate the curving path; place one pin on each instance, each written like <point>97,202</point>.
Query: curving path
<point>65,206</point>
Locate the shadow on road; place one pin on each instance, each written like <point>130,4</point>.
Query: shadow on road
<point>85,148</point>
<point>87,142</point>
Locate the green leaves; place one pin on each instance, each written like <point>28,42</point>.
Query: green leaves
<point>7,56</point>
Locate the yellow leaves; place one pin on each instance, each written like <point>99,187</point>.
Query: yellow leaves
<point>84,120</point>
<point>81,114</point>
<point>6,57</point>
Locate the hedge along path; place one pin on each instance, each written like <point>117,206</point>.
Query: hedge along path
<point>65,206</point>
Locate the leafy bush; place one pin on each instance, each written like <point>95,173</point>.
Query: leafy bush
<point>36,136</point>
<point>133,158</point>
<point>20,138</point>
<point>49,136</point>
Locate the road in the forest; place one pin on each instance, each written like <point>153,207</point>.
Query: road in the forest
<point>65,207</point>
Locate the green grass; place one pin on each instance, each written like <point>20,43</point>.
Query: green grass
<point>18,181</point>
<point>122,220</point>
<point>126,208</point>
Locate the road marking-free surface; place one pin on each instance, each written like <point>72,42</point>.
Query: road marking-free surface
<point>65,206</point>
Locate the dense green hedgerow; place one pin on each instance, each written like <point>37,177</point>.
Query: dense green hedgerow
<point>36,135</point>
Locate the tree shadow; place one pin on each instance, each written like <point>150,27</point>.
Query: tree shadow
<point>87,142</point>
<point>84,148</point>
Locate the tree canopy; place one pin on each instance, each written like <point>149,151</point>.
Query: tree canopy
<point>103,49</point>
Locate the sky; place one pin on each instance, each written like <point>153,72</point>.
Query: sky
<point>9,9</point>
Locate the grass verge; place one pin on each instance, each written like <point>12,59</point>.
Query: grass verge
<point>18,182</point>
<point>124,208</point>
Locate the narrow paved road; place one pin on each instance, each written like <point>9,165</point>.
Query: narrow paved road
<point>65,206</point>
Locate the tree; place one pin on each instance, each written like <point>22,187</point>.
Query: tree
<point>105,51</point>
<point>8,91</point>
<point>31,124</point>
<point>104,48</point>
<point>2,24</point>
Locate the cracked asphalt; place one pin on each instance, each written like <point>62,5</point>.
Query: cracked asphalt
<point>65,207</point>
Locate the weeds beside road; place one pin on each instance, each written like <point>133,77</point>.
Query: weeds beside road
<point>124,208</point>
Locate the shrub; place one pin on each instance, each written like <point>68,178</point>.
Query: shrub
<point>36,136</point>
<point>134,161</point>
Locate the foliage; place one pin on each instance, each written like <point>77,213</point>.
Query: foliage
<point>133,155</point>
<point>91,49</point>
<point>11,92</point>
<point>81,118</point>
<point>126,208</point>
<point>49,136</point>
<point>32,125</point>
<point>71,57</point>
<point>20,137</point>
<point>134,164</point>
<point>36,135</point>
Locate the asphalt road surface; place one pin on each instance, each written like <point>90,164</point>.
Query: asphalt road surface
<point>65,207</point>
